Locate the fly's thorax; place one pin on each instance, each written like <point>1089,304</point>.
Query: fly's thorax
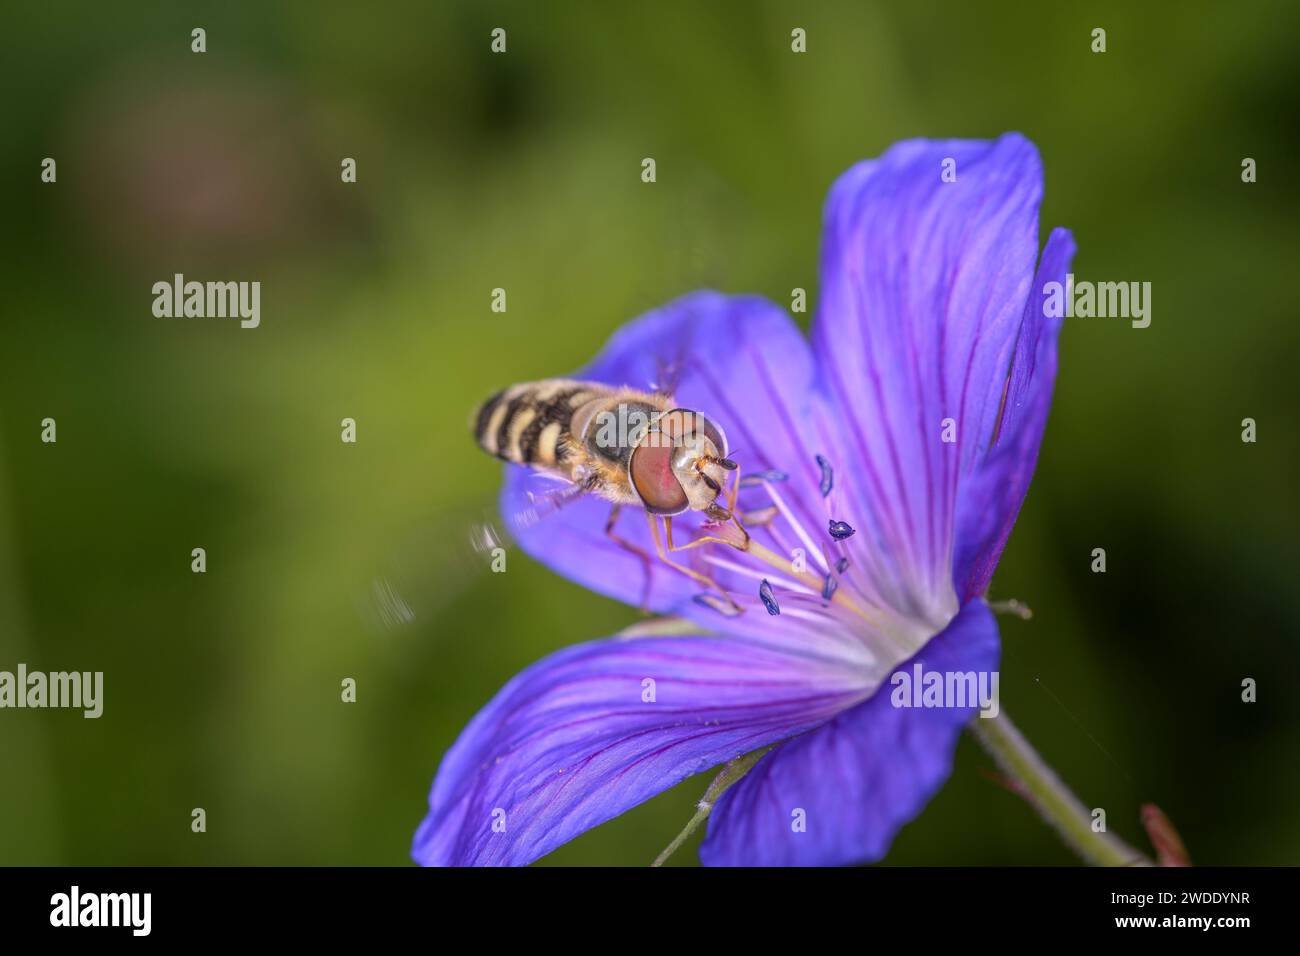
<point>610,427</point>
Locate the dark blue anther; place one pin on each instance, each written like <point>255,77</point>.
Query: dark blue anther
<point>828,475</point>
<point>758,477</point>
<point>842,565</point>
<point>840,530</point>
<point>829,586</point>
<point>769,602</point>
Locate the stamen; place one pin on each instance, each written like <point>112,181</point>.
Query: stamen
<point>840,530</point>
<point>757,478</point>
<point>828,475</point>
<point>756,550</point>
<point>841,565</point>
<point>799,530</point>
<point>828,588</point>
<point>761,517</point>
<point>785,583</point>
<point>717,604</point>
<point>811,581</point>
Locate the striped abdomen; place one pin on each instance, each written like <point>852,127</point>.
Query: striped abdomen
<point>530,424</point>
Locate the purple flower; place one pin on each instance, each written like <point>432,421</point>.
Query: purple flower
<point>894,452</point>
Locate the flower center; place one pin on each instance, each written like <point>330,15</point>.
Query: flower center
<point>819,569</point>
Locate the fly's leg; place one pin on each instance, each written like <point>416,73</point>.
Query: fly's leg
<point>703,579</point>
<point>752,519</point>
<point>735,491</point>
<point>635,549</point>
<point>728,514</point>
<point>742,545</point>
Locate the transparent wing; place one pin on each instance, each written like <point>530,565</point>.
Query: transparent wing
<point>546,494</point>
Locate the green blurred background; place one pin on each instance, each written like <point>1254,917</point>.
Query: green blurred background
<point>328,560</point>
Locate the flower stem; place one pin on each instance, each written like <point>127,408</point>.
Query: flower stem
<point>731,772</point>
<point>692,825</point>
<point>1049,796</point>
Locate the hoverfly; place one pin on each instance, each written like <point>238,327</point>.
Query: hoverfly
<point>631,448</point>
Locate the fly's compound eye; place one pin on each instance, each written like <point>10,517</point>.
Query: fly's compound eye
<point>680,463</point>
<point>651,471</point>
<point>680,424</point>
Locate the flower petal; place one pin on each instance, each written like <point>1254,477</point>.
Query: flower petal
<point>857,779</point>
<point>741,362</point>
<point>573,741</point>
<point>924,284</point>
<point>987,505</point>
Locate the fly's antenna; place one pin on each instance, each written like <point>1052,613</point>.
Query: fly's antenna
<point>726,463</point>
